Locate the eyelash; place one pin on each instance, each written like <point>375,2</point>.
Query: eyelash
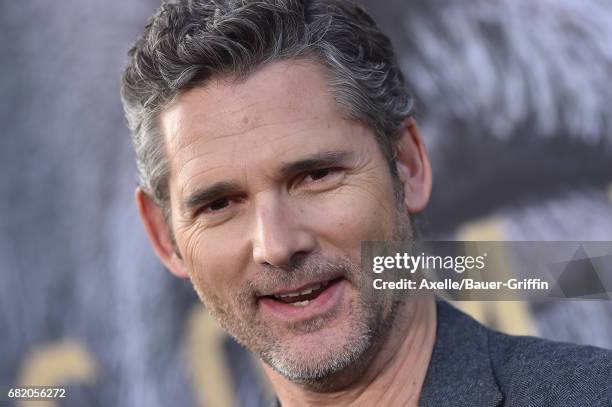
<point>326,171</point>
<point>207,208</point>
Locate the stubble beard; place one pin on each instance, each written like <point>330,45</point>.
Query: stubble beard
<point>324,370</point>
<point>369,325</point>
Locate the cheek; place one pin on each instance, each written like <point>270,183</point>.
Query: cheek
<point>212,260</point>
<point>356,214</point>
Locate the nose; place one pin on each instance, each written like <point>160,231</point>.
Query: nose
<point>281,234</point>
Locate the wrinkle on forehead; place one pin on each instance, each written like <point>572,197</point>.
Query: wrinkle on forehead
<point>209,118</point>
<point>242,154</point>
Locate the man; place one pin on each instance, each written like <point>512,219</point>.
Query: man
<point>273,137</point>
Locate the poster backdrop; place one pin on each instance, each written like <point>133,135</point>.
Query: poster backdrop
<point>514,103</point>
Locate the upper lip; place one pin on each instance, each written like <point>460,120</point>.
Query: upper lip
<point>297,288</point>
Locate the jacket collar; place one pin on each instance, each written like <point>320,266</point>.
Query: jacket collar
<point>460,371</point>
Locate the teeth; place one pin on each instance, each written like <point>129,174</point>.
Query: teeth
<point>305,292</point>
<point>301,303</point>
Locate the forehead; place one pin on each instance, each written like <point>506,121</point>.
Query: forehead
<point>282,109</point>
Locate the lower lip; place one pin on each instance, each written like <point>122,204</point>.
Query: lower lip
<point>325,301</point>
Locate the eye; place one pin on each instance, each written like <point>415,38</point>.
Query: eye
<point>317,175</point>
<point>320,179</point>
<point>216,205</point>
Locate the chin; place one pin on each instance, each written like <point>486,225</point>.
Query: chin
<point>318,352</point>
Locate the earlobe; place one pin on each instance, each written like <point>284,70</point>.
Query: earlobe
<point>159,234</point>
<point>413,167</point>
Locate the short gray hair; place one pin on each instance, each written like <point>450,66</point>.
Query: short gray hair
<point>188,42</point>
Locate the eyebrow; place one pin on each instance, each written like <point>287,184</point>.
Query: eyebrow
<point>223,188</point>
<point>316,161</point>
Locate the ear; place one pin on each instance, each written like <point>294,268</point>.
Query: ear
<point>159,235</point>
<point>413,167</point>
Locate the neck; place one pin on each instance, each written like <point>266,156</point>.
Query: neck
<point>395,375</point>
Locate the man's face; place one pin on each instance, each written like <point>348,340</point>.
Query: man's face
<point>272,192</point>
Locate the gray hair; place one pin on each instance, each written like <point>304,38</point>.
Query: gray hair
<point>188,42</point>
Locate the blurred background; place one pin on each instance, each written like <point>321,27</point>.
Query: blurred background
<point>514,101</point>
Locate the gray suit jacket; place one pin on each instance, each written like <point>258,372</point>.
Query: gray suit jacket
<point>474,366</point>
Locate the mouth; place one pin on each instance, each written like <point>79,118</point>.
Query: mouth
<point>304,302</point>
